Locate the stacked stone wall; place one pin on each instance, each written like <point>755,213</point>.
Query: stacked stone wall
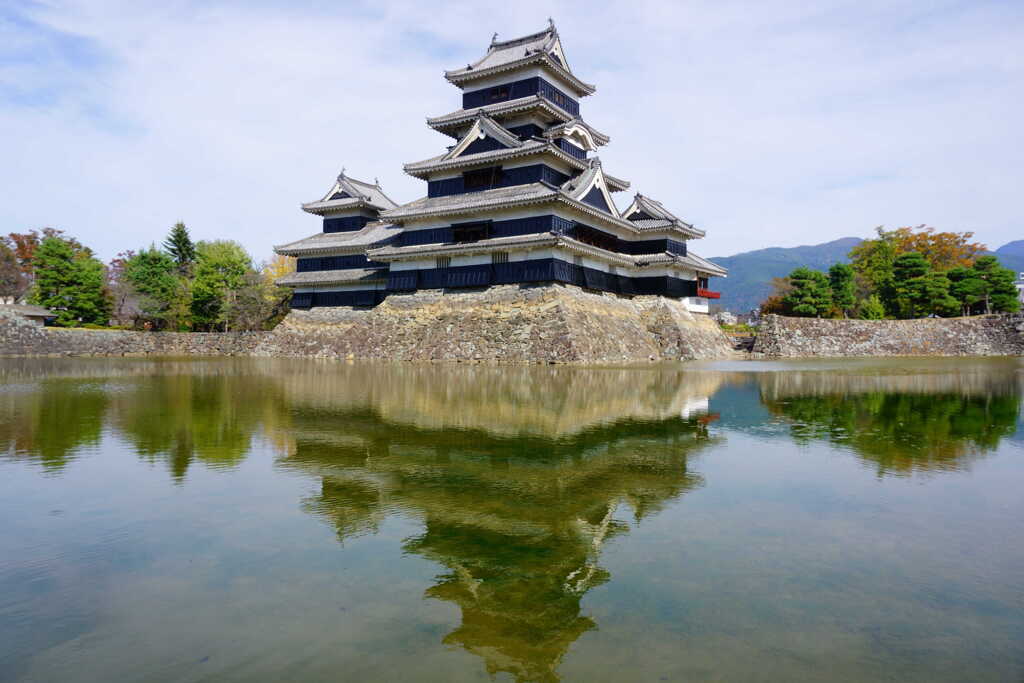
<point>783,337</point>
<point>20,337</point>
<point>510,323</point>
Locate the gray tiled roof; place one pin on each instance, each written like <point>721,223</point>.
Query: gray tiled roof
<point>28,310</point>
<point>359,194</point>
<point>372,234</point>
<point>460,116</point>
<point>421,168</point>
<point>334,277</point>
<point>544,47</point>
<point>660,216</point>
<point>702,264</point>
<point>599,138</point>
<point>517,194</point>
<point>387,253</point>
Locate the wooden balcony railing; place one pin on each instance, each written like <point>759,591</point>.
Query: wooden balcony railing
<point>708,294</point>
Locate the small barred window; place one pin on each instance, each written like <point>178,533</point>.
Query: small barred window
<point>499,257</point>
<point>443,262</point>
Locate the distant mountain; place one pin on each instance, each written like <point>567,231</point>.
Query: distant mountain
<point>1012,255</point>
<point>751,273</point>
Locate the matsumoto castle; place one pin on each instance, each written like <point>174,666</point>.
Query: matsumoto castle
<point>520,197</point>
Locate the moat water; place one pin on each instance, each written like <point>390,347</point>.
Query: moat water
<point>266,520</point>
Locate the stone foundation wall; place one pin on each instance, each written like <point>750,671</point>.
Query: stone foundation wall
<point>783,337</point>
<point>19,337</point>
<point>510,323</point>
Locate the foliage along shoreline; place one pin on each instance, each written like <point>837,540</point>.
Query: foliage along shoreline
<point>901,274</point>
<point>209,286</point>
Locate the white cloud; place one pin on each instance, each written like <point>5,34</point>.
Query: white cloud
<point>766,124</point>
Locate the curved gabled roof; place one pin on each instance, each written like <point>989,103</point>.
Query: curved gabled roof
<point>543,48</point>
<point>591,187</point>
<point>650,214</point>
<point>566,128</point>
<point>349,193</point>
<point>355,241</point>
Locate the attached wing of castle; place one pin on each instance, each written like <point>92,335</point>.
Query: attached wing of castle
<point>520,198</point>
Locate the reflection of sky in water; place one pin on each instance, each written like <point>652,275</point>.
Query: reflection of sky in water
<point>269,520</point>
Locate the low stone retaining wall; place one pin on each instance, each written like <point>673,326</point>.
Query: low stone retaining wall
<point>509,323</point>
<point>555,323</point>
<point>782,337</point>
<point>18,337</point>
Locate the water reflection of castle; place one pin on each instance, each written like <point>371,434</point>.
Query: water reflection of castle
<point>519,476</point>
<point>517,522</point>
<point>516,505</point>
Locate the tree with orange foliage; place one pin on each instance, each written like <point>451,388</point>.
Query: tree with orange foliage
<point>943,250</point>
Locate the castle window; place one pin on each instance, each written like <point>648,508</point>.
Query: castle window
<point>471,232</point>
<point>443,262</point>
<point>499,257</point>
<point>482,178</point>
<point>499,94</point>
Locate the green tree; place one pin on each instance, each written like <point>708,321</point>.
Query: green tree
<point>998,291</point>
<point>70,283</point>
<point>871,308</point>
<point>810,296</point>
<point>153,275</point>
<point>936,298</point>
<point>220,273</point>
<point>872,262</point>
<point>840,277</point>
<point>180,247</point>
<point>910,285</point>
<point>966,287</point>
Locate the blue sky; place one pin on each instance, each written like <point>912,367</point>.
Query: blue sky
<point>764,123</point>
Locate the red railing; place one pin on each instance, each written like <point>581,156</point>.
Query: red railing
<point>708,294</point>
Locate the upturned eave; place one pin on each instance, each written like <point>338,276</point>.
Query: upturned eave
<point>460,77</point>
<point>423,169</point>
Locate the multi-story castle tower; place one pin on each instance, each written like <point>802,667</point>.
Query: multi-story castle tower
<point>521,197</point>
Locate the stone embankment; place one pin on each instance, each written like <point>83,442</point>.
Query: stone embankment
<point>782,337</point>
<point>560,324</point>
<point>19,337</point>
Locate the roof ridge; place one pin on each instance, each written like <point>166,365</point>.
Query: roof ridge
<point>512,42</point>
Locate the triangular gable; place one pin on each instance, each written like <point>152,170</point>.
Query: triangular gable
<point>645,208</point>
<point>596,199</point>
<point>349,191</point>
<point>555,50</point>
<point>483,136</point>
<point>591,188</point>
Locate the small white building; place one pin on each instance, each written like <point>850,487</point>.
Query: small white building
<point>1020,288</point>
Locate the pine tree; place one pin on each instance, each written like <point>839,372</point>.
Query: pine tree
<point>909,272</point>
<point>871,308</point>
<point>180,247</point>
<point>810,296</point>
<point>153,275</point>
<point>840,278</point>
<point>966,287</point>
<point>999,294</point>
<point>71,284</point>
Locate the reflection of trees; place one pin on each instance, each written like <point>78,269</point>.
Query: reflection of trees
<point>900,433</point>
<point>48,424</point>
<point>181,417</point>
<point>518,522</point>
